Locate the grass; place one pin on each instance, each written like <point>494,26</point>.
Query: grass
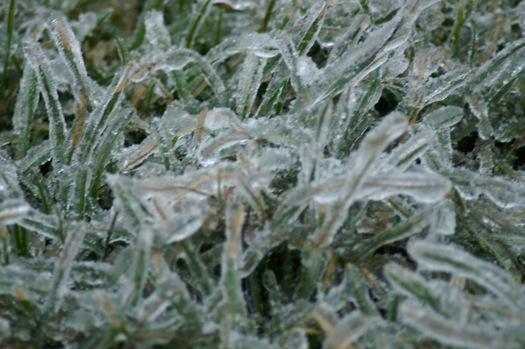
<point>265,174</point>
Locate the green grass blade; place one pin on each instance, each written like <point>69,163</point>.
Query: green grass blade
<point>231,260</point>
<point>25,108</point>
<point>57,124</point>
<point>100,117</point>
<point>69,49</point>
<point>249,82</point>
<point>310,26</point>
<point>411,284</point>
<point>396,233</point>
<point>202,12</point>
<point>123,51</point>
<point>314,263</point>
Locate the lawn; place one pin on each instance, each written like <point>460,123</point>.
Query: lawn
<point>262,174</point>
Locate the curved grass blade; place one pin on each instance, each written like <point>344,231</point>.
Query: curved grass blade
<point>69,49</point>
<point>57,124</point>
<point>438,257</point>
<point>447,331</point>
<point>99,118</point>
<point>365,159</point>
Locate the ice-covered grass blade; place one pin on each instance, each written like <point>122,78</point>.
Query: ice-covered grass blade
<point>139,270</point>
<point>374,143</point>
<point>123,51</point>
<point>437,257</point>
<point>21,241</point>
<point>309,27</point>
<point>363,164</point>
<point>357,63</point>
<point>128,203</point>
<point>180,57</point>
<point>249,82</point>
<point>350,39</point>
<point>12,211</point>
<point>505,61</point>
<point>9,184</point>
<point>35,157</point>
<point>26,104</point>
<point>444,117</point>
<point>231,260</point>
<point>357,120</point>
<point>69,49</point>
<point>314,263</point>
<point>43,224</point>
<point>63,268</point>
<point>79,195</point>
<point>422,187</point>
<point>57,124</point>
<point>347,331</point>
<point>273,98</point>
<point>396,233</point>
<point>103,152</point>
<point>100,117</point>
<point>415,147</point>
<point>411,284</point>
<point>202,11</point>
<point>29,286</point>
<point>446,330</point>
<point>198,269</point>
<point>481,112</point>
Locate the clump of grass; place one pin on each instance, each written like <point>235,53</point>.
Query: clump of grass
<point>261,174</point>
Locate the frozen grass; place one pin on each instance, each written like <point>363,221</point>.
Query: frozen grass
<point>262,174</point>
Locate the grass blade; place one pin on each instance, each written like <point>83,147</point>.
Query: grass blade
<point>437,257</point>
<point>202,12</point>
<point>249,82</point>
<point>69,49</point>
<point>25,108</point>
<point>63,268</point>
<point>231,260</point>
<point>99,118</point>
<point>396,233</point>
<point>310,26</point>
<point>57,124</point>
